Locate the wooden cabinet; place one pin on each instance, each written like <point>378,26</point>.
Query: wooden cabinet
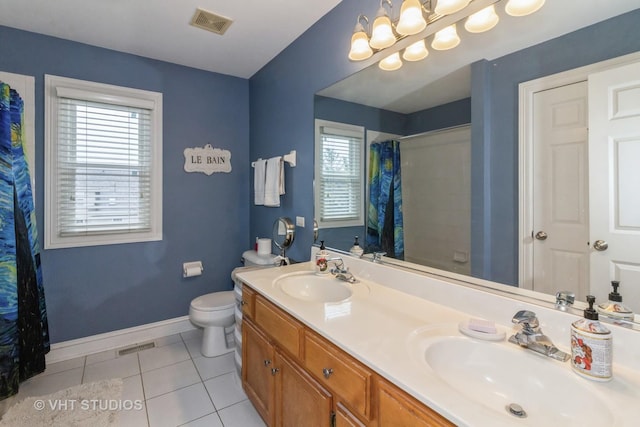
<point>397,408</point>
<point>294,377</point>
<point>349,379</point>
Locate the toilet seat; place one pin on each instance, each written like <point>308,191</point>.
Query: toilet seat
<point>215,301</point>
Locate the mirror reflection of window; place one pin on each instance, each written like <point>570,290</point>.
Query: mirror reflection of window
<point>339,174</point>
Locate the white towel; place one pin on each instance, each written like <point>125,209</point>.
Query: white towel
<point>259,171</point>
<point>274,182</point>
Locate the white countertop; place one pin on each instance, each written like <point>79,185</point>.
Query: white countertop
<point>377,323</point>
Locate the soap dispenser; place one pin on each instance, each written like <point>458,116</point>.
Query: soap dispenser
<point>591,346</point>
<point>356,249</point>
<point>322,260</point>
<point>614,307</point>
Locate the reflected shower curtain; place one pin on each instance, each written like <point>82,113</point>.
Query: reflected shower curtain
<point>24,332</point>
<point>384,212</point>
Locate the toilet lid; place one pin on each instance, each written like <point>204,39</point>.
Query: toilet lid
<point>214,301</point>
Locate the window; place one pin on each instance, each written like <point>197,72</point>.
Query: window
<point>339,179</point>
<point>103,164</point>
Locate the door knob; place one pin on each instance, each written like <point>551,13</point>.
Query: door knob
<point>600,245</point>
<point>541,235</point>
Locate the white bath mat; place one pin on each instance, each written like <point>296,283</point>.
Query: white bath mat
<point>94,404</point>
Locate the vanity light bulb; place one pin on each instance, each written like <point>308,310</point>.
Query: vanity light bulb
<point>391,62</point>
<point>523,7</point>
<point>416,51</point>
<point>411,19</point>
<point>446,39</point>
<point>447,7</point>
<point>482,21</point>
<point>360,48</point>
<point>382,35</point>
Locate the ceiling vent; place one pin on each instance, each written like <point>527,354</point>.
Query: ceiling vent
<point>210,21</point>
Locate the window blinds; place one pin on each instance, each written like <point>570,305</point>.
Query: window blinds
<point>340,182</point>
<point>103,167</point>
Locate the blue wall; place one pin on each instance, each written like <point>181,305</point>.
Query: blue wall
<point>282,96</point>
<point>104,288</point>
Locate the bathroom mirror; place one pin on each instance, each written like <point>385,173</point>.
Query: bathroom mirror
<point>445,79</point>
<point>283,233</point>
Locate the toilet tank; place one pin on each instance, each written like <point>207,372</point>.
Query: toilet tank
<point>253,258</point>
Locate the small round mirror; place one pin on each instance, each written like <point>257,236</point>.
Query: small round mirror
<point>283,233</point>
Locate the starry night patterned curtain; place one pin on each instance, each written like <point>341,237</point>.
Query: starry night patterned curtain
<point>385,229</point>
<point>24,332</point>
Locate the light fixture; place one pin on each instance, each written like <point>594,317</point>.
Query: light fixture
<point>411,18</point>
<point>415,23</point>
<point>416,51</point>
<point>522,7</point>
<point>360,48</point>
<point>445,39</point>
<point>381,33</point>
<point>391,62</point>
<point>447,7</point>
<point>482,21</point>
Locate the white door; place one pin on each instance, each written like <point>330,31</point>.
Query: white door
<point>614,151</point>
<point>560,190</point>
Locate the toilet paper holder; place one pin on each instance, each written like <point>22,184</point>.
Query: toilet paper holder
<point>190,269</point>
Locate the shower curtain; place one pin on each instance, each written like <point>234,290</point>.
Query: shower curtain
<point>24,332</point>
<point>384,213</point>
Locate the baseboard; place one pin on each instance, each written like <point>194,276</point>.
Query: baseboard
<point>121,338</point>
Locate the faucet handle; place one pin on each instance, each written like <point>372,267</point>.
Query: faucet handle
<point>526,318</point>
<point>377,256</point>
<point>564,299</point>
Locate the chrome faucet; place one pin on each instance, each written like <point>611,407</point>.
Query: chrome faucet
<point>340,272</point>
<point>564,299</point>
<point>377,257</point>
<point>532,338</point>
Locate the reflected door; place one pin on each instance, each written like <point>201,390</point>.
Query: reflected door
<point>614,148</point>
<point>560,190</point>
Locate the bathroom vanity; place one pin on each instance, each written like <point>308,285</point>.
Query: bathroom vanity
<point>387,351</point>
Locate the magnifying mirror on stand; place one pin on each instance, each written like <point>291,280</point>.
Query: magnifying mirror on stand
<point>283,234</point>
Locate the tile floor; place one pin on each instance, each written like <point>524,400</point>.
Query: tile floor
<point>179,387</point>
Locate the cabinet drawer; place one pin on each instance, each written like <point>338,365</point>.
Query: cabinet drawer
<point>346,377</point>
<point>286,331</point>
<point>248,301</point>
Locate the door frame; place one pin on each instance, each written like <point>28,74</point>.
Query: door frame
<point>526,92</point>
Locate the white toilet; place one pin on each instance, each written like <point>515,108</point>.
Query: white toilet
<point>214,312</point>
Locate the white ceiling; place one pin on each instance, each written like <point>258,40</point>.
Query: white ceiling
<point>445,76</point>
<point>160,29</point>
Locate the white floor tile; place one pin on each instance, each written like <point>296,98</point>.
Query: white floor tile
<point>163,356</point>
<point>225,390</point>
<point>211,420</point>
<point>210,367</point>
<point>169,378</point>
<point>194,345</point>
<point>191,334</point>
<point>134,417</point>
<point>102,356</point>
<point>45,384</point>
<point>242,414</point>
<point>65,365</point>
<point>132,388</point>
<point>171,339</point>
<point>120,367</point>
<point>179,407</point>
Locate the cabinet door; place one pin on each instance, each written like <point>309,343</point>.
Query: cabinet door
<point>396,408</point>
<point>344,418</point>
<point>300,400</point>
<point>248,301</point>
<point>257,375</point>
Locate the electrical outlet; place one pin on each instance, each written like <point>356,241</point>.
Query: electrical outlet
<point>300,221</point>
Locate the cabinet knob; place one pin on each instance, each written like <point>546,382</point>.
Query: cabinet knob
<point>275,371</point>
<point>327,372</point>
<point>243,302</point>
<point>267,362</point>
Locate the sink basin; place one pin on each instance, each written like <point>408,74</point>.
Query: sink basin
<point>311,287</point>
<point>504,378</point>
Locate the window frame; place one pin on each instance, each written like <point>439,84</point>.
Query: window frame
<point>110,94</point>
<point>349,130</point>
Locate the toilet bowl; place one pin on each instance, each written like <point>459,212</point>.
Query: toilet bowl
<point>214,312</point>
